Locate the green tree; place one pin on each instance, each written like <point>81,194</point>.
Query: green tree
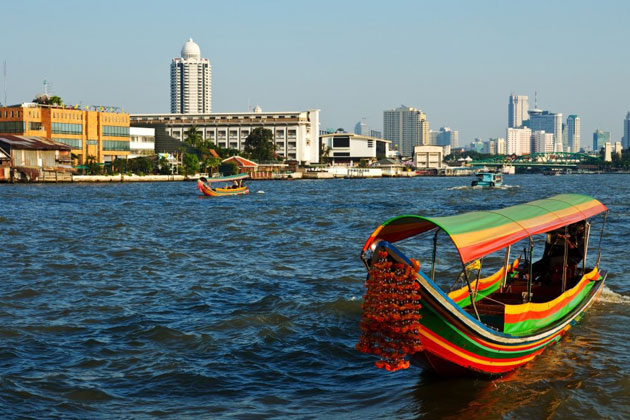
<point>211,163</point>
<point>55,100</point>
<point>48,100</point>
<point>259,144</point>
<point>191,163</point>
<point>228,168</point>
<point>194,138</point>
<point>324,153</point>
<point>164,167</point>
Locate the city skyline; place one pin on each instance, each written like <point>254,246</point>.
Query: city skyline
<point>460,77</point>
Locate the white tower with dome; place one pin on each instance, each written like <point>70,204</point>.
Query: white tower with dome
<point>191,82</point>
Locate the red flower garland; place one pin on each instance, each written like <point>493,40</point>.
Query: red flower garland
<point>390,322</point>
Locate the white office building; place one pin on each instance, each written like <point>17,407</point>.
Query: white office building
<point>406,127</point>
<point>141,142</point>
<point>295,134</point>
<point>351,148</point>
<point>517,110</point>
<point>191,81</point>
<point>573,133</point>
<point>542,142</point>
<point>501,146</point>
<point>428,157</point>
<point>518,141</point>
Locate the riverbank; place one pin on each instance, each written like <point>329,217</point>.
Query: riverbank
<point>127,178</point>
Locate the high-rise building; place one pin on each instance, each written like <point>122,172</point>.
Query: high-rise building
<point>626,131</point>
<point>490,147</point>
<point>542,142</point>
<point>549,122</point>
<point>518,141</point>
<point>501,146</point>
<point>600,137</point>
<point>376,134</point>
<point>406,127</point>
<point>191,82</point>
<point>446,137</point>
<point>433,137</point>
<point>517,110</point>
<point>361,128</point>
<point>573,133</point>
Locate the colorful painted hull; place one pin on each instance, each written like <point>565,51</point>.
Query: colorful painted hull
<point>454,342</point>
<point>220,192</point>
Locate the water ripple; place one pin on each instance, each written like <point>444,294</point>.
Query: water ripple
<point>144,300</point>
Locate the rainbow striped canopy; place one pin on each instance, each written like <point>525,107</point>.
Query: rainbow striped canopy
<point>480,233</point>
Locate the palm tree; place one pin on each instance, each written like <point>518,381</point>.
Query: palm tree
<point>193,137</point>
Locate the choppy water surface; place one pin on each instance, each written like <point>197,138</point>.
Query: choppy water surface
<point>147,300</point>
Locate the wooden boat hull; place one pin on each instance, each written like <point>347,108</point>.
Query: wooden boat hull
<point>455,343</point>
<point>220,192</point>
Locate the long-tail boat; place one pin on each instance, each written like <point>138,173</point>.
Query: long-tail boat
<point>482,325</point>
<point>227,185</point>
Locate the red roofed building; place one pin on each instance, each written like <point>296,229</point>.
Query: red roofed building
<point>256,171</point>
<point>244,165</point>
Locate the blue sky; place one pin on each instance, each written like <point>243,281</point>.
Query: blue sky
<point>456,60</point>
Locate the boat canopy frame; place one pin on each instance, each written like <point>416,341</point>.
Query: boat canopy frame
<point>224,178</point>
<point>480,233</point>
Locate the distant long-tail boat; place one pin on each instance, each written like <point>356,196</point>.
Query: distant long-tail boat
<point>226,185</point>
<point>486,325</point>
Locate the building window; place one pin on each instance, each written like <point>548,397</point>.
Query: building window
<point>35,126</point>
<point>64,128</point>
<point>113,145</point>
<point>74,143</point>
<point>370,143</point>
<point>12,126</point>
<point>92,142</point>
<point>341,141</point>
<point>115,131</point>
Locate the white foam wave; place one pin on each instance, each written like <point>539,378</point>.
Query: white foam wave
<point>609,296</point>
<point>478,187</point>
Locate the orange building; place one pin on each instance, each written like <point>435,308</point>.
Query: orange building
<point>89,132</point>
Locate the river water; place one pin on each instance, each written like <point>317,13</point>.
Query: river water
<point>146,300</point>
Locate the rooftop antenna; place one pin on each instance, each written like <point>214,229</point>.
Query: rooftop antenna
<point>46,87</point>
<point>535,100</point>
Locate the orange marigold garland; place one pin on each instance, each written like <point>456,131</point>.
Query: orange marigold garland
<point>390,322</point>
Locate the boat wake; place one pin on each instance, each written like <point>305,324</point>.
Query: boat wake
<point>609,296</point>
<point>477,187</point>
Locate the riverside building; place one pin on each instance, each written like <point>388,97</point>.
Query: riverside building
<point>142,142</point>
<point>191,81</point>
<point>295,133</point>
<point>348,147</point>
<point>101,133</point>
